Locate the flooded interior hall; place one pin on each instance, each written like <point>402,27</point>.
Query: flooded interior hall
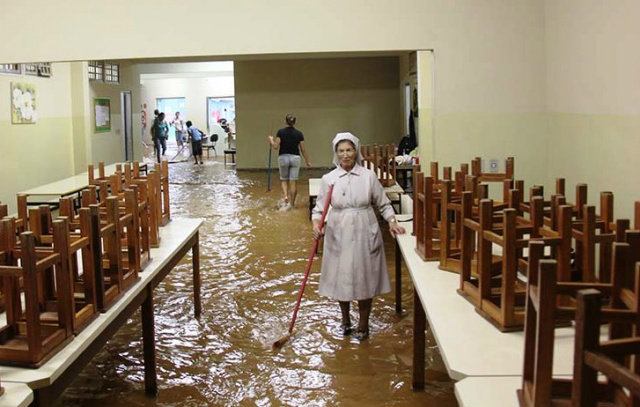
<point>252,260</point>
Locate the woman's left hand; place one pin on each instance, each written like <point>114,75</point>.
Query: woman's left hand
<point>395,229</point>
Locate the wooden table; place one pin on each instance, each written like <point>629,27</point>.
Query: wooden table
<point>471,347</point>
<point>49,381</point>
<point>393,192</point>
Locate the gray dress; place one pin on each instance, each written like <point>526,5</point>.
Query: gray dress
<point>353,260</point>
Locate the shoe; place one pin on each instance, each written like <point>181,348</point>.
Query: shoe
<point>345,329</point>
<point>201,163</point>
<point>361,335</point>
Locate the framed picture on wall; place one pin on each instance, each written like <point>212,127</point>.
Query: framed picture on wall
<point>23,103</point>
<point>102,115</point>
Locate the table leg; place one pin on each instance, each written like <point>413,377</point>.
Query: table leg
<point>398,279</point>
<point>197,303</point>
<point>419,329</point>
<point>149,344</point>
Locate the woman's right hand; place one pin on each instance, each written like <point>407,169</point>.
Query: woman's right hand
<point>270,139</point>
<point>318,231</point>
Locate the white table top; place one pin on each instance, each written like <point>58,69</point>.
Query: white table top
<point>173,235</point>
<point>70,185</point>
<point>15,395</point>
<point>488,391</point>
<point>469,344</point>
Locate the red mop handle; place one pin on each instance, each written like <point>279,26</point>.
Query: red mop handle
<point>313,252</point>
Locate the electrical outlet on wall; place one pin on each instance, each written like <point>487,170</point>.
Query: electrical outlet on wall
<point>494,165</point>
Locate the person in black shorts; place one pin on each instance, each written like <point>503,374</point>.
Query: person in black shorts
<point>196,141</point>
<point>289,142</point>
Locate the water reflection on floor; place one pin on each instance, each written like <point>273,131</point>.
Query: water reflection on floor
<point>252,262</point>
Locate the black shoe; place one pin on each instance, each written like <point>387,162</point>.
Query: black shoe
<point>361,335</point>
<point>345,329</point>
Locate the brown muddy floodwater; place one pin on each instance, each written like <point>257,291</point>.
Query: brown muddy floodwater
<point>253,259</point>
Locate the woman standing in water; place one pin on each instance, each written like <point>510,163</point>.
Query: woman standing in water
<point>353,261</point>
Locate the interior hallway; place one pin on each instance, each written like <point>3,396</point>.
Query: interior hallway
<point>252,262</point>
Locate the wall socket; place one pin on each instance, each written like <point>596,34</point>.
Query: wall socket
<point>494,165</point>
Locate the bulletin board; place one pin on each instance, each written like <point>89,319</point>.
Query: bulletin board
<point>102,115</point>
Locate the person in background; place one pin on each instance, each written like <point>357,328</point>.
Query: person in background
<point>159,132</point>
<point>215,128</point>
<point>353,261</point>
<point>178,125</point>
<point>196,141</point>
<point>289,142</point>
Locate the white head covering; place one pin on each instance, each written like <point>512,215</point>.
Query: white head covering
<point>346,136</point>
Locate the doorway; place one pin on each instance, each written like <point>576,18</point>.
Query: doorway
<point>127,127</point>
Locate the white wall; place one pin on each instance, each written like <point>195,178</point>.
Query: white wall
<point>195,90</point>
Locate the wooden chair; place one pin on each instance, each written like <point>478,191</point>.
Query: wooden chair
<point>501,300</point>
<point>451,216</point>
<point>474,275</point>
<point>381,160</point>
<point>539,388</point>
<point>78,251</point>
<point>593,356</point>
<point>29,336</point>
<point>426,213</point>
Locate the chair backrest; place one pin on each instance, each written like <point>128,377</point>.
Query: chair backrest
<point>214,138</point>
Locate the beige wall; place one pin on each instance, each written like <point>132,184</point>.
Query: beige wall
<point>327,96</point>
<point>35,154</point>
<point>549,82</point>
<point>593,97</point>
<point>108,147</point>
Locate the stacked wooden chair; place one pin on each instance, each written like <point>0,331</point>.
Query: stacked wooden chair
<point>36,331</point>
<point>451,218</point>
<point>426,214</point>
<point>81,255</point>
<point>57,274</point>
<point>499,296</point>
<point>544,309</point>
<point>380,158</point>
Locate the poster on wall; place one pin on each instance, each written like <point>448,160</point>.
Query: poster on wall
<point>102,110</point>
<point>23,103</point>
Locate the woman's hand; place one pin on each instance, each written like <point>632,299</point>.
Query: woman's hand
<point>396,229</point>
<point>318,230</point>
<point>270,140</point>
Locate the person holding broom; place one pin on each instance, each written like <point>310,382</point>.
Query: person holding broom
<point>353,260</point>
<point>290,143</point>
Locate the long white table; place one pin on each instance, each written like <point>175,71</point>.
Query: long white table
<point>69,186</point>
<point>394,193</point>
<point>471,347</point>
<point>16,395</point>
<point>49,381</point>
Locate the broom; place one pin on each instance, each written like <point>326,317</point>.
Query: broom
<point>280,342</point>
<point>269,169</point>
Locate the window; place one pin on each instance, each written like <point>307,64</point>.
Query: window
<point>103,71</point>
<point>111,72</point>
<point>96,71</point>
<point>44,69</point>
<point>15,69</point>
<point>31,69</point>
<point>35,69</point>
